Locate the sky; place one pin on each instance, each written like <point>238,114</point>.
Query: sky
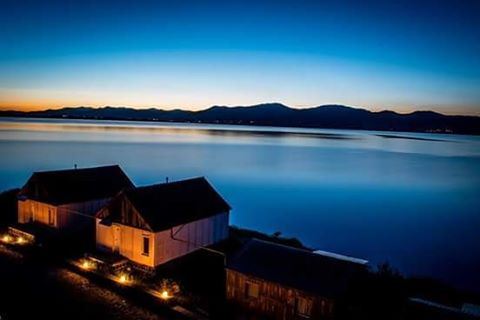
<point>397,55</point>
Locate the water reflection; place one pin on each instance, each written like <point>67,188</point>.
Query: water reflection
<point>146,128</point>
<point>412,199</point>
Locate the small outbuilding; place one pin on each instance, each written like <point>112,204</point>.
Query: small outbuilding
<point>154,224</point>
<point>283,282</point>
<point>69,199</point>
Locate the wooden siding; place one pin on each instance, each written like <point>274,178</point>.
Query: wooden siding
<point>129,216</point>
<point>34,211</point>
<point>103,236</point>
<point>68,216</point>
<point>181,240</point>
<point>162,247</point>
<point>129,243</point>
<point>79,215</point>
<point>274,300</point>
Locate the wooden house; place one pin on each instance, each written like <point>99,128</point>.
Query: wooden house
<point>154,224</point>
<point>69,199</point>
<point>282,282</point>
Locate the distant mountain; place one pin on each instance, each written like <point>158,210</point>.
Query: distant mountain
<point>276,114</point>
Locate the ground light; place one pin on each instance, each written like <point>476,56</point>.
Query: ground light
<point>123,278</point>
<point>164,295</point>
<point>87,265</point>
<point>6,238</point>
<point>20,240</point>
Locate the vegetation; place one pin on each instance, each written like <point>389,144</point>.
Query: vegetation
<point>8,207</point>
<point>241,234</point>
<point>384,294</point>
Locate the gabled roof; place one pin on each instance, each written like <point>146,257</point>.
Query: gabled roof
<point>304,270</point>
<point>166,205</point>
<point>75,185</point>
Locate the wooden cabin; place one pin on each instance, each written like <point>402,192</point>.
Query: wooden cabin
<point>282,282</point>
<point>69,199</point>
<point>155,224</point>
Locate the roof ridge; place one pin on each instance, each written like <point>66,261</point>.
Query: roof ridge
<point>322,253</point>
<point>280,244</point>
<point>77,169</point>
<point>169,204</point>
<point>161,184</point>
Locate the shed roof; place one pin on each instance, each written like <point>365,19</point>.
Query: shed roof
<point>75,185</point>
<point>319,274</point>
<point>166,205</point>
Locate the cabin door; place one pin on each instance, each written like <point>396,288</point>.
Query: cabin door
<point>116,238</point>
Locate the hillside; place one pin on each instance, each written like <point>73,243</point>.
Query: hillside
<point>276,114</point>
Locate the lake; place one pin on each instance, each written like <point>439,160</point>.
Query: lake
<point>407,198</point>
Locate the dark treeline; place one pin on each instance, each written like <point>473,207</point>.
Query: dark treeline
<point>275,114</point>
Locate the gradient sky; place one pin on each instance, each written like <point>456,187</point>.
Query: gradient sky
<point>399,55</point>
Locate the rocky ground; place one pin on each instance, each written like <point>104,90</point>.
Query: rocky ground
<point>32,289</point>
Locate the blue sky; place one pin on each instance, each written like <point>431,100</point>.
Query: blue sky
<point>400,55</point>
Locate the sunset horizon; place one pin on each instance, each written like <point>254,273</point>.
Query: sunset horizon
<point>397,57</point>
<point>453,111</point>
<point>240,160</point>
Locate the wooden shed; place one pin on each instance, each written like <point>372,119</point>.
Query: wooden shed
<point>283,282</point>
<point>69,199</point>
<point>154,224</point>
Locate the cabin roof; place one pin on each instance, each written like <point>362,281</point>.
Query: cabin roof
<point>167,205</point>
<point>75,185</point>
<point>324,275</point>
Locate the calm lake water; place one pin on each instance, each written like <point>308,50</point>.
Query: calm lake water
<point>410,199</point>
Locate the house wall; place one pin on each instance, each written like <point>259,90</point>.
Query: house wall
<point>129,244</point>
<point>34,211</point>
<point>190,237</point>
<point>73,215</point>
<point>162,247</point>
<point>274,300</point>
<point>103,236</point>
<point>80,215</point>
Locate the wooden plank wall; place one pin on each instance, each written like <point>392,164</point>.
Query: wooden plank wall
<point>79,215</point>
<point>190,237</point>
<point>34,211</point>
<point>274,300</point>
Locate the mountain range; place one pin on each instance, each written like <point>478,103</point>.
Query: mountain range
<point>276,114</point>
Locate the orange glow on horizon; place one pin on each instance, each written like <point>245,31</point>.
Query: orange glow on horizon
<point>40,105</point>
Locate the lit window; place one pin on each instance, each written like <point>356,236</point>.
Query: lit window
<point>251,290</point>
<point>146,246</point>
<point>304,307</point>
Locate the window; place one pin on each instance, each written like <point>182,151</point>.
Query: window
<point>146,246</point>
<point>304,307</point>
<point>251,289</point>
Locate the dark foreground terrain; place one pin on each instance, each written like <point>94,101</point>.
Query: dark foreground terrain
<point>36,283</point>
<point>33,289</point>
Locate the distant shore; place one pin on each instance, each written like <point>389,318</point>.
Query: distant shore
<point>276,115</point>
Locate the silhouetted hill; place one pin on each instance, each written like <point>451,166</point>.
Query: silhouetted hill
<point>276,114</point>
